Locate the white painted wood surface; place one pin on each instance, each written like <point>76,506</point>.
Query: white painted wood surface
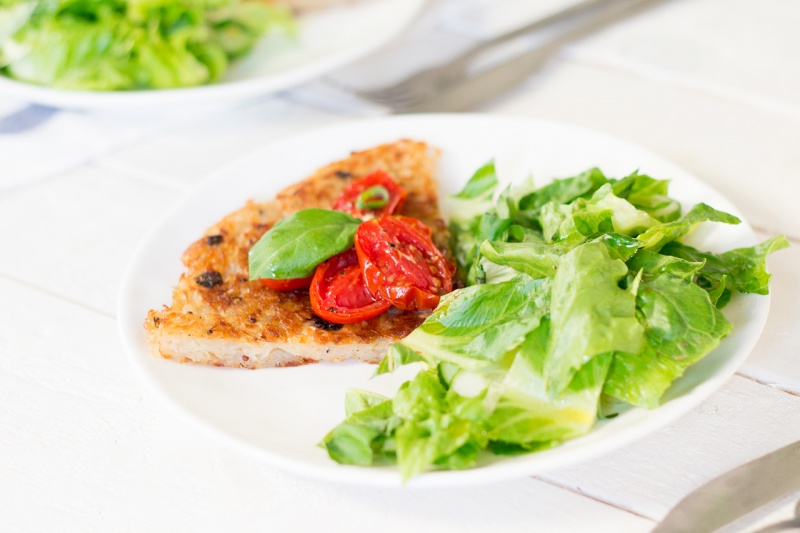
<point>712,84</point>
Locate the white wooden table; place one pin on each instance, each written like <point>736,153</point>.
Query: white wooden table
<point>84,445</point>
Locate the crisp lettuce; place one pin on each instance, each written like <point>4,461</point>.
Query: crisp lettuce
<point>586,297</point>
<point>649,195</point>
<point>475,327</point>
<point>681,326</point>
<point>527,414</point>
<point>580,299</point>
<point>657,237</point>
<point>745,267</point>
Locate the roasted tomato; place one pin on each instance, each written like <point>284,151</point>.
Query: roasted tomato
<point>401,264</point>
<point>418,225</point>
<point>338,293</point>
<point>286,284</point>
<point>374,195</point>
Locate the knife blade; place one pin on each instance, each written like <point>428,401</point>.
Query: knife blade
<point>736,493</point>
<point>467,93</point>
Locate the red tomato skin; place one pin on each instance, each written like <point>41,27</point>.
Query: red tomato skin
<point>338,293</point>
<point>401,264</point>
<point>425,230</point>
<point>347,200</point>
<point>286,284</point>
<point>417,224</point>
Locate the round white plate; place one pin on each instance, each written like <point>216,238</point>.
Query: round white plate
<point>326,41</point>
<point>281,414</point>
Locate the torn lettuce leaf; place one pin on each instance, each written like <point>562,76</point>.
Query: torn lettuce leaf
<point>586,298</point>
<point>746,267</point>
<point>527,414</point>
<point>657,237</point>
<point>476,326</point>
<point>681,326</point>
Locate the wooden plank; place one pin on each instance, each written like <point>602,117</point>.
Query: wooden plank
<point>74,235</point>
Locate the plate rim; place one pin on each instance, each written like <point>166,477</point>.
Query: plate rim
<point>496,472</point>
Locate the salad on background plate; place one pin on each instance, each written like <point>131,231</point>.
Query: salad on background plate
<point>123,54</point>
<point>113,45</point>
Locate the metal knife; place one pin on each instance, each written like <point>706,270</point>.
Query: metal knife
<point>736,493</point>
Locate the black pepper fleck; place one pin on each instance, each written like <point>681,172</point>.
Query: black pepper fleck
<point>209,279</point>
<point>210,331</point>
<point>252,319</point>
<point>213,240</point>
<point>323,324</point>
<point>344,175</point>
<point>156,320</point>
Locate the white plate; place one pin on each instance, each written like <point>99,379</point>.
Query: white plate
<point>327,40</point>
<point>281,414</point>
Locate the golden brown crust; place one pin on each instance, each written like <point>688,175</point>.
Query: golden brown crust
<point>220,317</point>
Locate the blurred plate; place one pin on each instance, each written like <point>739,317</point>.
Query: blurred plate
<point>280,414</point>
<point>326,41</point>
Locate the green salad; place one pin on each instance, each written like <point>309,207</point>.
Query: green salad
<point>107,45</point>
<point>580,299</point>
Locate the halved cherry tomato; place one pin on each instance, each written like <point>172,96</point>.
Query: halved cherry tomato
<point>427,232</point>
<point>417,224</point>
<point>376,194</point>
<point>401,264</point>
<point>338,293</point>
<point>286,284</point>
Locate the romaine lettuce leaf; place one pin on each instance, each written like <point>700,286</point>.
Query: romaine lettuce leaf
<point>481,185</point>
<point>467,239</point>
<point>365,435</point>
<point>653,264</point>
<point>682,325</point>
<point>526,413</point>
<point>746,268</point>
<point>563,191</point>
<point>649,195</point>
<point>438,426</point>
<point>537,260</point>
<point>656,237</point>
<point>586,298</point>
<point>627,219</point>
<point>475,327</point>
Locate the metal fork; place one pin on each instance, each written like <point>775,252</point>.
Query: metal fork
<point>792,524</point>
<point>417,91</point>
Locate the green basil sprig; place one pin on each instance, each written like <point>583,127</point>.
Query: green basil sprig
<point>293,247</point>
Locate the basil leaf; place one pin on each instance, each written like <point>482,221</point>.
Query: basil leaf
<point>293,247</point>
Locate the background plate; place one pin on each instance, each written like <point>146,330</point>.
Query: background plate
<point>281,414</point>
<point>327,40</point>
